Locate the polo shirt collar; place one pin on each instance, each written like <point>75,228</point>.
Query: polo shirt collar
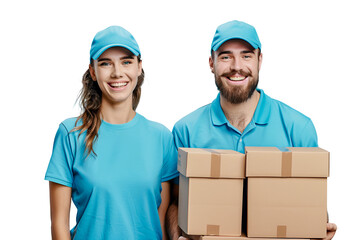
<point>217,114</point>
<point>262,111</point>
<point>261,115</point>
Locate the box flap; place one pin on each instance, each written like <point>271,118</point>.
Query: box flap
<point>211,163</point>
<point>287,162</point>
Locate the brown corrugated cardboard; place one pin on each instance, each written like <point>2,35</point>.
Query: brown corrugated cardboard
<point>287,162</point>
<point>287,191</point>
<point>211,191</point>
<point>201,162</point>
<point>243,237</point>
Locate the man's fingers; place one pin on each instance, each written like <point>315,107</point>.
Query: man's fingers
<point>331,227</point>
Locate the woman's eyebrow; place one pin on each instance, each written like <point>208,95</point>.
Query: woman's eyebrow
<point>122,58</point>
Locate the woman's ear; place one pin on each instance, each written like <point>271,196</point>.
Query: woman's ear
<point>92,72</point>
<point>140,68</point>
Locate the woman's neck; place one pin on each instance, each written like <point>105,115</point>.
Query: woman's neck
<point>119,113</point>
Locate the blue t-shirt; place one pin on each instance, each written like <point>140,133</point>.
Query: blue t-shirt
<point>116,192</point>
<point>273,124</point>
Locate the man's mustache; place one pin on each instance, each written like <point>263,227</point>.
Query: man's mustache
<point>241,72</point>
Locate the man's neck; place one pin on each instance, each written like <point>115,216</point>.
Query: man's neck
<point>240,115</point>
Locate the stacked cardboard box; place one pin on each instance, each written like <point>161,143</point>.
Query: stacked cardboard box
<point>243,237</point>
<point>286,193</point>
<point>211,191</point>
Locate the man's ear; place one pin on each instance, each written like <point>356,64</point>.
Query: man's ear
<point>92,72</point>
<point>211,64</point>
<point>260,60</point>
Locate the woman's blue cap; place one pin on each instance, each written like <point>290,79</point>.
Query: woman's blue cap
<point>235,30</point>
<point>113,36</point>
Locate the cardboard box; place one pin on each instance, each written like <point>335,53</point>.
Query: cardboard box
<point>211,191</point>
<point>287,192</point>
<point>243,237</point>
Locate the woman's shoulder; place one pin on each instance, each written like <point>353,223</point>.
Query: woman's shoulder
<point>153,125</point>
<point>70,123</point>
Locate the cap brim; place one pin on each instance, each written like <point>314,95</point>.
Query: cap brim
<point>103,49</point>
<point>217,45</point>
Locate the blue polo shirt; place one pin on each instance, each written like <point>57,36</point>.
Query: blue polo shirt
<point>273,124</point>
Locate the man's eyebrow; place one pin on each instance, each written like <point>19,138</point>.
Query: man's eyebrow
<point>224,52</point>
<point>248,51</point>
<point>242,52</point>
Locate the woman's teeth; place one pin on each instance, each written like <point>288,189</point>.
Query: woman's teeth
<point>117,85</point>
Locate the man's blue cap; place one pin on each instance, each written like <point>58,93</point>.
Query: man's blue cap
<point>235,30</point>
<point>113,36</point>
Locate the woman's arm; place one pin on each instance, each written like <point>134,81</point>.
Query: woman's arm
<point>60,201</point>
<point>165,200</point>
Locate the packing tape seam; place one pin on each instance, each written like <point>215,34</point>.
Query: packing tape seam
<point>215,166</point>
<point>286,163</point>
<point>212,229</point>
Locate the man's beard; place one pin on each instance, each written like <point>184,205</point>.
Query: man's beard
<point>236,94</point>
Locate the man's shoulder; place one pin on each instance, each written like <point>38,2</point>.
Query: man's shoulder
<point>289,113</point>
<point>191,119</point>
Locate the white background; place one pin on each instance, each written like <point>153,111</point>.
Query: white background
<point>311,62</point>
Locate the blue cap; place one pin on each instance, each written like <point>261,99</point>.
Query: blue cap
<point>114,36</point>
<point>235,30</point>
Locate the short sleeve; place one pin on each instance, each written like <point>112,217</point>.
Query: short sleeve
<point>307,136</point>
<point>180,137</point>
<point>60,166</point>
<point>169,168</point>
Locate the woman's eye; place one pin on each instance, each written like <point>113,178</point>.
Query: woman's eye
<point>104,64</point>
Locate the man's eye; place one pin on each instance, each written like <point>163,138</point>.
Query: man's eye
<point>225,57</point>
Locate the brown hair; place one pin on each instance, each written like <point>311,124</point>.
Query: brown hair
<point>90,103</point>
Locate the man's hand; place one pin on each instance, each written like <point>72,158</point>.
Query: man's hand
<point>331,230</point>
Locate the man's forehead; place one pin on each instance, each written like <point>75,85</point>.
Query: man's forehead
<point>235,44</point>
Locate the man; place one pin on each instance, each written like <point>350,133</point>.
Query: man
<point>241,115</point>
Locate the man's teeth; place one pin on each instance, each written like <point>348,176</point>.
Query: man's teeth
<point>236,78</point>
<point>118,84</point>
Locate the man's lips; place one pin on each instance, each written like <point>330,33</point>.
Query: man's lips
<point>237,76</point>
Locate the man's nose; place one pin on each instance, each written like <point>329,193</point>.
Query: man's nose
<point>236,64</point>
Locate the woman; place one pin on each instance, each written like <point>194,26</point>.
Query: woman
<point>111,161</point>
